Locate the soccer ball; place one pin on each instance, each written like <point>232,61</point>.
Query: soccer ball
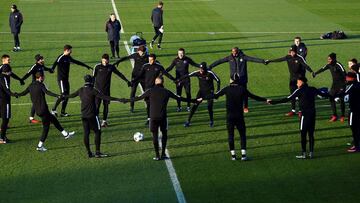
<point>138,136</point>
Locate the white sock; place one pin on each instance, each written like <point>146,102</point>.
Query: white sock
<point>243,152</point>
<point>293,110</point>
<point>40,144</point>
<point>31,118</point>
<point>232,152</point>
<point>64,132</point>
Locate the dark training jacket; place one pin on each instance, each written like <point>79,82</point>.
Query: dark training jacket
<point>157,17</point>
<point>63,63</point>
<point>149,72</point>
<point>182,66</point>
<point>113,30</point>
<point>15,22</point>
<point>238,64</point>
<point>206,82</point>
<point>139,62</point>
<point>36,68</point>
<point>338,73</point>
<point>37,92</point>
<point>102,75</point>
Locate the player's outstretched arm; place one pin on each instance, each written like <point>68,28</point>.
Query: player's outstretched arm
<point>80,63</point>
<point>48,92</point>
<point>218,62</point>
<point>254,59</point>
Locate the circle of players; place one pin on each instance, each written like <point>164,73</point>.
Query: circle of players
<point>148,74</point>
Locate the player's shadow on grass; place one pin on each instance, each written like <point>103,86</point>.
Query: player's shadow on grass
<point>215,39</point>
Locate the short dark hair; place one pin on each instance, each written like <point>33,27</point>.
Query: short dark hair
<point>297,37</point>
<point>38,75</point>
<point>182,49</point>
<point>67,47</point>
<point>38,57</point>
<point>152,56</point>
<point>302,78</point>
<point>105,56</point>
<point>355,67</point>
<point>332,56</point>
<point>161,3</point>
<point>354,60</point>
<point>141,48</point>
<point>5,56</point>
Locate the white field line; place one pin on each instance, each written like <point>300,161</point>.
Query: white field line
<point>185,32</point>
<point>169,165</point>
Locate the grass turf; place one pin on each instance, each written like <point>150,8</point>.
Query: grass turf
<point>207,30</point>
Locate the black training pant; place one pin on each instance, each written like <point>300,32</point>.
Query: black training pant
<point>354,122</point>
<point>92,123</point>
<point>32,111</point>
<point>47,119</point>
<point>335,92</point>
<point>293,87</point>
<point>157,34</point>
<point>307,127</point>
<point>210,104</point>
<point>133,91</point>
<point>64,89</point>
<point>154,128</point>
<point>114,46</point>
<point>106,107</point>
<point>186,85</point>
<point>5,108</point>
<point>240,125</point>
<point>16,40</point>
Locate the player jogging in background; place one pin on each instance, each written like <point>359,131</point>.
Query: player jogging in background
<point>40,68</point>
<point>157,21</point>
<point>102,74</point>
<point>89,114</point>
<point>140,59</point>
<point>306,95</point>
<point>235,94</point>
<point>148,74</point>
<point>301,48</point>
<point>181,64</point>
<point>238,65</point>
<point>206,89</point>
<point>159,97</point>
<point>338,74</point>
<point>297,67</point>
<point>63,63</point>
<point>38,92</point>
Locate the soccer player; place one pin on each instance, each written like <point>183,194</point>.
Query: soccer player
<point>306,95</point>
<point>40,68</point>
<point>352,62</point>
<point>338,85</point>
<point>113,28</point>
<point>235,94</point>
<point>140,59</point>
<point>181,64</point>
<point>206,89</point>
<point>102,74</point>
<point>15,22</point>
<point>38,92</point>
<point>157,21</point>
<point>354,115</point>
<point>148,74</point>
<point>238,64</point>
<point>5,101</point>
<point>89,114</point>
<point>63,63</point>
<point>297,67</point>
<point>300,47</point>
<point>159,97</point>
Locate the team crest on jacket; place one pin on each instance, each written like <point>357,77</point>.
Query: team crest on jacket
<point>300,50</point>
<point>296,61</point>
<point>185,62</point>
<point>15,16</point>
<point>241,60</point>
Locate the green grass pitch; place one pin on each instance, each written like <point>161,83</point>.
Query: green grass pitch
<point>207,29</point>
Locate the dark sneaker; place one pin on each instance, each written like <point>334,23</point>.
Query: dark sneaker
<point>187,124</point>
<point>159,46</point>
<point>104,124</point>
<point>244,158</point>
<point>101,155</point>
<point>233,157</point>
<point>178,109</point>
<point>164,157</point>
<point>211,124</point>
<point>54,112</point>
<point>188,109</point>
<point>311,155</point>
<point>90,155</point>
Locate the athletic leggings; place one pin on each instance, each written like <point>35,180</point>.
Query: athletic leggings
<point>47,119</point>
<point>333,94</point>
<point>307,127</point>
<point>92,124</point>
<point>133,91</point>
<point>240,125</point>
<point>157,34</point>
<point>186,86</point>
<point>64,89</point>
<point>154,128</point>
<point>114,46</point>
<point>105,110</point>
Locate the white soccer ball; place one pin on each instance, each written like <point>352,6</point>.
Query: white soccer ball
<point>138,136</point>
